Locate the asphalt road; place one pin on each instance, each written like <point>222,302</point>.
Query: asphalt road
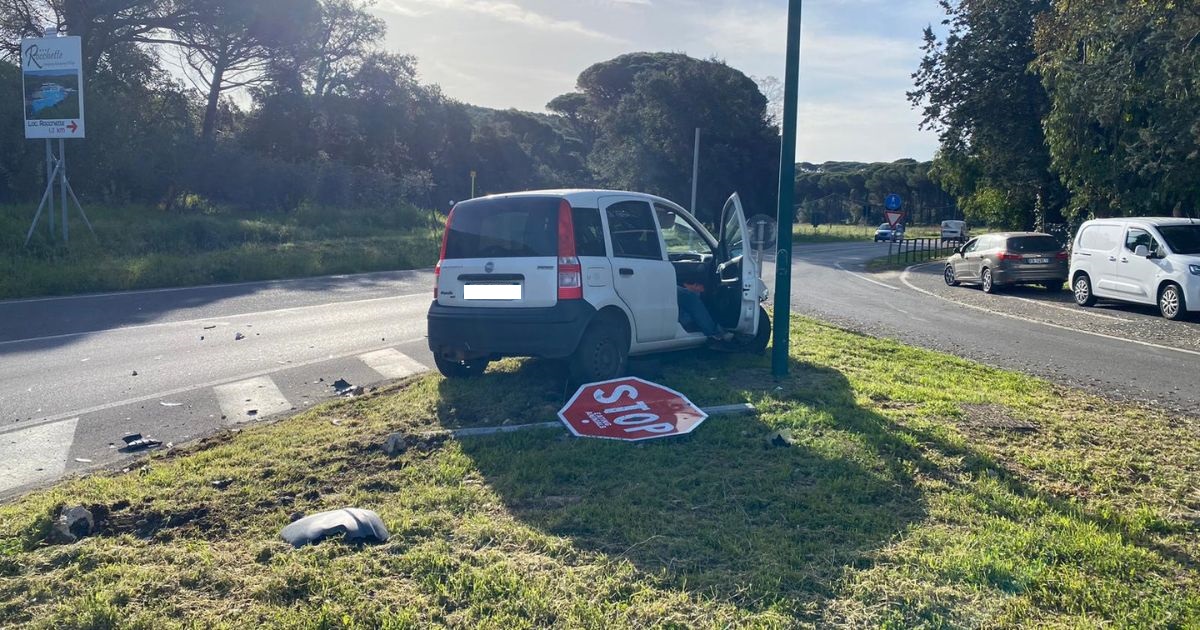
<point>209,358</point>
<point>1122,352</point>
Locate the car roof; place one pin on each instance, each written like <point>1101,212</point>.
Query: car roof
<point>1016,234</point>
<point>580,197</point>
<point>1155,221</point>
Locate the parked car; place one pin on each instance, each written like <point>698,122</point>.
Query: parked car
<point>886,233</point>
<point>1145,260</point>
<point>585,275</point>
<point>1008,258</point>
<point>955,231</point>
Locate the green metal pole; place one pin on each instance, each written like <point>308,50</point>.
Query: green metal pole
<point>787,194</point>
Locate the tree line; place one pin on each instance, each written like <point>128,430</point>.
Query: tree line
<point>291,102</point>
<point>854,192</point>
<point>1053,110</point>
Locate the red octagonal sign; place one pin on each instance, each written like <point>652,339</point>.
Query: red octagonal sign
<point>630,409</point>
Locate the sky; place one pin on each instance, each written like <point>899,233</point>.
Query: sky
<point>857,56</point>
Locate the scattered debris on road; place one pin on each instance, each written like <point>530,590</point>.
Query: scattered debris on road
<point>83,460</point>
<point>135,372</point>
<point>135,442</point>
<point>251,412</point>
<point>170,404</point>
<point>342,387</point>
<point>781,439</point>
<point>210,327</point>
<point>395,445</point>
<point>354,524</point>
<point>239,337</point>
<point>72,524</point>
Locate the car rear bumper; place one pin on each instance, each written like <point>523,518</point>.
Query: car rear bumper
<point>1018,276</point>
<point>457,332</point>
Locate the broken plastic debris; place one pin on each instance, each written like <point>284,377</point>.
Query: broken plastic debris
<point>239,337</point>
<point>210,327</point>
<point>355,524</point>
<point>135,442</point>
<point>252,412</point>
<point>170,404</point>
<point>83,460</point>
<point>343,388</point>
<point>135,372</point>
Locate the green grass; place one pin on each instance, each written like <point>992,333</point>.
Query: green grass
<point>922,491</point>
<point>139,248</point>
<point>835,233</point>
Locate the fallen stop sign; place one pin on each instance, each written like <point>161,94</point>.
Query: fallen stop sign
<point>630,409</point>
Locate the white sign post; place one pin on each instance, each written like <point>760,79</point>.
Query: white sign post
<point>52,73</point>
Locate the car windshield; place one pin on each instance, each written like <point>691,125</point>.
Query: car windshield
<point>1182,239</point>
<point>884,226</point>
<point>1034,244</point>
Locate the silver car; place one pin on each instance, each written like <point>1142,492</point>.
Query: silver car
<point>1009,258</point>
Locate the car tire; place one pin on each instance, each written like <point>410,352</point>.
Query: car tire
<point>948,276</point>
<point>762,336</point>
<point>460,369</point>
<point>1171,304</point>
<point>1055,286</point>
<point>601,354</point>
<point>986,282</point>
<point>1081,287</point>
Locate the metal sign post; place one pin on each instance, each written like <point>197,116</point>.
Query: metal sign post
<point>787,193</point>
<point>52,77</point>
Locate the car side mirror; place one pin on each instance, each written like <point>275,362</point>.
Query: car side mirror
<point>959,249</point>
<point>1142,251</point>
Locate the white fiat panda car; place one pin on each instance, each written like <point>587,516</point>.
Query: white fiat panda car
<point>1145,260</point>
<point>585,275</point>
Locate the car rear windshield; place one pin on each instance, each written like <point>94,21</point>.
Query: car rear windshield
<point>1182,239</point>
<point>1033,244</point>
<point>517,227</point>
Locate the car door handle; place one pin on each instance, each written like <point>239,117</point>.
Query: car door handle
<point>626,271</point>
<point>1124,259</point>
<point>1112,258</point>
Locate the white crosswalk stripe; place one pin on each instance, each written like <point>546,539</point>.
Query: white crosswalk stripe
<point>35,454</point>
<point>392,363</point>
<point>250,399</point>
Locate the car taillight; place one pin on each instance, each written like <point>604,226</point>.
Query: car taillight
<point>570,272</point>
<point>1009,256</point>
<point>1062,256</point>
<point>437,269</point>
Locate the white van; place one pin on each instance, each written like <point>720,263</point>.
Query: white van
<point>586,275</point>
<point>954,231</point>
<point>1144,260</point>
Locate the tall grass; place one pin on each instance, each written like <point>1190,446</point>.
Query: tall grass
<point>138,247</point>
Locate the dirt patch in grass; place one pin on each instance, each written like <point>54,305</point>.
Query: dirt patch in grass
<point>995,418</point>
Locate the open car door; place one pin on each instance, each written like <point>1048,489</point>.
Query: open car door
<point>737,266</point>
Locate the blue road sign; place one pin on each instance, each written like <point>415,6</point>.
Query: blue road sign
<point>892,202</point>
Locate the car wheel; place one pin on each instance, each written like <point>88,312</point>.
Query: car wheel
<point>763,335</point>
<point>1082,288</point>
<point>948,276</point>
<point>1054,286</point>
<point>460,369</point>
<point>600,355</point>
<point>1171,304</point>
<point>986,282</point>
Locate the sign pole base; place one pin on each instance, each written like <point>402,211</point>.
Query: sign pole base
<point>56,168</point>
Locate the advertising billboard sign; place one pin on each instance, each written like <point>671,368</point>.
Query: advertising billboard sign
<point>52,70</point>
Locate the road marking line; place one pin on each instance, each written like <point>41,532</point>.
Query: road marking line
<point>281,283</point>
<point>392,363</point>
<point>35,453</point>
<point>1077,311</point>
<point>258,395</point>
<point>904,279</point>
<point>219,319</point>
<point>190,388</point>
<point>862,277</point>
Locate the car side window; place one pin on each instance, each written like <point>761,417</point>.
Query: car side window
<point>1137,237</point>
<point>634,234</point>
<point>680,236</point>
<point>971,246</point>
<point>589,235</point>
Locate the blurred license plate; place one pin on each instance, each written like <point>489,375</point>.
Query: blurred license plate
<point>1037,261</point>
<point>492,291</point>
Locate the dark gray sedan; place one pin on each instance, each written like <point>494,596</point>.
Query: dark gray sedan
<point>1008,258</point>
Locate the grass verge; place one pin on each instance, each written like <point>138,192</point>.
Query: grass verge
<point>921,490</point>
<point>141,248</point>
<point>833,233</point>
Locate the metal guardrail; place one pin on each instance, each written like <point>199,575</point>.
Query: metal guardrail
<point>915,250</point>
